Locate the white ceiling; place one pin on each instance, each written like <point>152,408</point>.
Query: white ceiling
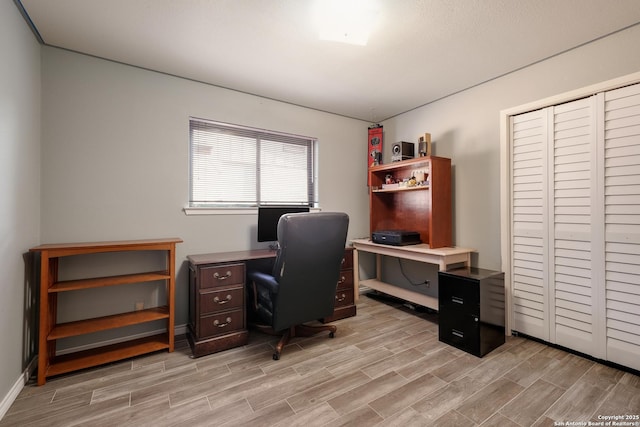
<point>419,51</point>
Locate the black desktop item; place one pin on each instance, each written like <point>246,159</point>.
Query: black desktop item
<point>268,217</point>
<point>396,237</point>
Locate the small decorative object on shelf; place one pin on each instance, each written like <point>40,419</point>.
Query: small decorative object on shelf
<point>424,145</point>
<point>402,151</point>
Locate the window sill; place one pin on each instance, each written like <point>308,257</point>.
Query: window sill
<point>220,211</point>
<point>227,211</point>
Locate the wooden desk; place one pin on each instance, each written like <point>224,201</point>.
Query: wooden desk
<point>217,316</point>
<point>238,256</point>
<point>442,257</point>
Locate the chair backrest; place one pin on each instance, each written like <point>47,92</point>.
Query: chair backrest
<point>307,266</point>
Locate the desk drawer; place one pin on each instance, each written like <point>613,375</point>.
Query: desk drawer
<point>221,323</point>
<point>344,291</point>
<point>344,297</point>
<point>345,279</point>
<point>222,275</point>
<point>347,260</point>
<point>223,299</point>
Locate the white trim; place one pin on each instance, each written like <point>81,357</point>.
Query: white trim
<point>599,295</point>
<point>226,211</point>
<point>548,226</point>
<point>11,397</point>
<point>219,211</point>
<point>505,212</point>
<point>584,92</point>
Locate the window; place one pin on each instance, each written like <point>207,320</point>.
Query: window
<point>236,167</point>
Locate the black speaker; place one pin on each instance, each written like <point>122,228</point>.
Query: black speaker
<point>402,151</point>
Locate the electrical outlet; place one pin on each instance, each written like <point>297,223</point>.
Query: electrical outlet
<point>140,305</point>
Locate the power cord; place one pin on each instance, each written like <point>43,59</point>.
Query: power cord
<point>411,282</point>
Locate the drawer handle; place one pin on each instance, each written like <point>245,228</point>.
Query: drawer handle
<point>342,280</point>
<point>457,300</point>
<point>457,333</point>
<point>343,261</point>
<point>342,298</point>
<point>219,277</point>
<point>221,325</point>
<point>224,301</point>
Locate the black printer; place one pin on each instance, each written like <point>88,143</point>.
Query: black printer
<point>396,237</point>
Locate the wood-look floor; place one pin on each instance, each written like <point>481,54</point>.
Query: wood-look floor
<point>384,367</point>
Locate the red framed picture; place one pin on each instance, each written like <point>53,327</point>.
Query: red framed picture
<point>374,154</point>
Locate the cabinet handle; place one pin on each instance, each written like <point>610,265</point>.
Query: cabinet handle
<point>342,298</point>
<point>457,333</point>
<point>219,277</point>
<point>342,280</point>
<point>224,301</point>
<point>457,300</point>
<point>221,325</point>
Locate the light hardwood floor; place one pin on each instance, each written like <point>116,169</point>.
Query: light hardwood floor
<point>384,367</point>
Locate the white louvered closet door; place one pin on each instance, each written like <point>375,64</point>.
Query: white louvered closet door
<point>575,225</point>
<point>622,225</point>
<point>573,233</point>
<point>529,223</point>
<point>553,195</point>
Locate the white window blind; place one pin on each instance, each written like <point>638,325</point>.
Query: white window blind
<point>235,166</point>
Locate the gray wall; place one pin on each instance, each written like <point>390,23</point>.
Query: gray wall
<point>115,152</point>
<point>19,193</point>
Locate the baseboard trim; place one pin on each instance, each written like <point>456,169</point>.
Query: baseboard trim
<point>10,397</point>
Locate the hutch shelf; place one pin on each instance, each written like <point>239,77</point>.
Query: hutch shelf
<point>50,364</point>
<point>425,208</point>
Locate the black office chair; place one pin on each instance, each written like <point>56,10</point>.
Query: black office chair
<point>302,286</point>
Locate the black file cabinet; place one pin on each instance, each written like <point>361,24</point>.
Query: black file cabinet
<point>471,309</point>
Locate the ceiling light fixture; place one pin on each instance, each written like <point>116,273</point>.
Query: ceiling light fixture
<point>345,21</point>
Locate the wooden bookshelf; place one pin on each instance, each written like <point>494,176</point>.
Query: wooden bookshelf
<point>49,363</point>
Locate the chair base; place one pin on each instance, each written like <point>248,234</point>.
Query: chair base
<point>295,331</point>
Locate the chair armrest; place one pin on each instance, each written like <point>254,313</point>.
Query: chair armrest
<point>265,281</point>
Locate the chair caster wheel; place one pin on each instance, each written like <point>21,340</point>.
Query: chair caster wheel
<point>276,356</point>
<point>331,334</point>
